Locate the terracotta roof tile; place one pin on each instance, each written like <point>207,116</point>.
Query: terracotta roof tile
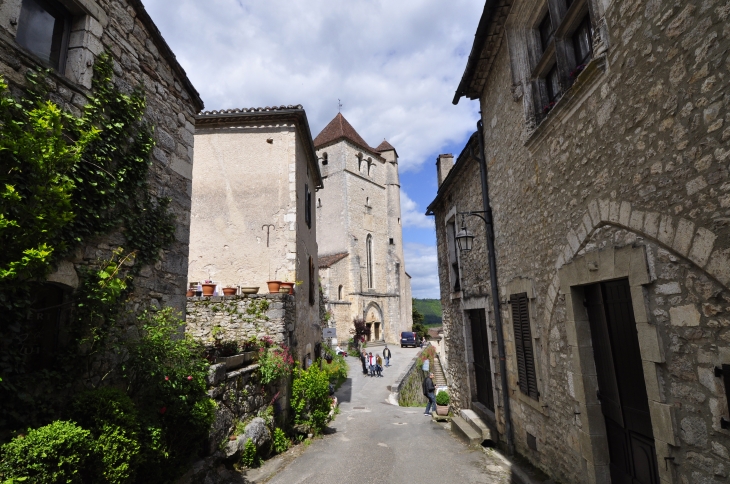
<point>337,129</point>
<point>330,260</point>
<point>384,146</point>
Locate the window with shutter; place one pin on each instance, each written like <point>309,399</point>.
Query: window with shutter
<point>523,346</point>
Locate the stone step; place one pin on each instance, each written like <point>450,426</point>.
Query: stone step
<point>462,429</point>
<point>373,344</point>
<point>477,424</point>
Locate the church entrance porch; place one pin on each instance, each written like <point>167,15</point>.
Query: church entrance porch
<point>374,322</point>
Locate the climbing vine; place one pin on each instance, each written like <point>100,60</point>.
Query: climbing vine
<point>63,181</point>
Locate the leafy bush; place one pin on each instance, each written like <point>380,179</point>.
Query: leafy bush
<point>281,441</point>
<point>249,458</point>
<point>274,363</point>
<point>310,398</point>
<point>442,398</point>
<point>336,369</point>
<point>59,452</point>
<point>165,373</point>
<point>111,417</point>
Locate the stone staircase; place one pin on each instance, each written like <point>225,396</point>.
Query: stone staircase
<point>472,429</point>
<point>375,344</point>
<point>439,378</point>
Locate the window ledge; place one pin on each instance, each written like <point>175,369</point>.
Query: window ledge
<point>584,85</point>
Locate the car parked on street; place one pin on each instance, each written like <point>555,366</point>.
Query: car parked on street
<point>408,338</point>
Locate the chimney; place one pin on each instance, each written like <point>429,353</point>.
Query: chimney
<point>444,164</point>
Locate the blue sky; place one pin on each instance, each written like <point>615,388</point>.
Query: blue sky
<point>393,64</point>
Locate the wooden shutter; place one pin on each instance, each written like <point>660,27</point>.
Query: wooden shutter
<point>523,346</point>
<point>312,287</point>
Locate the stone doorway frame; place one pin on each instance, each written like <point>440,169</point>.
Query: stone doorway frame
<point>591,268</point>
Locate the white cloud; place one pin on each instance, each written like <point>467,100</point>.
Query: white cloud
<point>394,64</point>
<point>412,215</point>
<point>422,266</point>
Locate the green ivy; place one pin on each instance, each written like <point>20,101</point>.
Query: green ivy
<point>63,181</point>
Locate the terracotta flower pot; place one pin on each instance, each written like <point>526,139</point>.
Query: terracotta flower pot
<point>190,293</point>
<point>208,289</point>
<point>288,285</point>
<point>273,286</point>
<point>229,291</point>
<point>442,410</point>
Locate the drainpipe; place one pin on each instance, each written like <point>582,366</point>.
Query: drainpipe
<point>495,290</point>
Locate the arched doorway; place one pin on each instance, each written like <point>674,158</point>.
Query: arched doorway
<point>374,321</point>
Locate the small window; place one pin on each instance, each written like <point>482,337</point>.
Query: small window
<point>43,29</point>
<point>370,167</point>
<point>312,287</point>
<point>319,203</point>
<point>324,158</point>
<point>367,201</point>
<point>307,206</point>
<point>340,293</point>
<point>391,241</point>
<point>583,42</point>
<point>524,350</point>
<point>359,162</point>
<point>369,259</point>
<point>552,84</point>
<point>546,31</point>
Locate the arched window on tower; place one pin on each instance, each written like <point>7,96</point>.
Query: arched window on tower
<point>339,293</point>
<point>359,162</point>
<point>369,257</point>
<point>370,167</point>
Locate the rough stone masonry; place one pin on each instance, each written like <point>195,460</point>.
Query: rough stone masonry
<point>625,177</point>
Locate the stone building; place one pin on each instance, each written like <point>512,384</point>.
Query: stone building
<point>66,37</point>
<point>360,238</point>
<point>253,219</point>
<point>606,150</point>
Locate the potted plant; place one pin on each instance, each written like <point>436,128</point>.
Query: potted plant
<point>208,288</point>
<point>190,293</point>
<point>288,285</point>
<point>273,286</point>
<point>442,403</point>
<point>229,291</point>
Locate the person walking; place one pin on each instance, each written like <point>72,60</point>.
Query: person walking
<point>426,367</point>
<point>428,391</point>
<point>363,358</point>
<point>386,355</point>
<point>379,365</point>
<point>371,363</point>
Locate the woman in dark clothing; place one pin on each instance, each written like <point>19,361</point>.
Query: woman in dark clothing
<point>363,356</point>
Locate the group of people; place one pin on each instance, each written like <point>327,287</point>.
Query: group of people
<point>373,364</point>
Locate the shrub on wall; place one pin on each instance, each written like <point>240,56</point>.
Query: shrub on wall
<point>274,363</point>
<point>310,398</point>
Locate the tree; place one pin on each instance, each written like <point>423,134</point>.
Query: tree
<point>360,331</point>
<point>418,327</point>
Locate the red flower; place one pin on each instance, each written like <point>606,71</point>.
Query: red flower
<point>167,378</point>
<point>190,377</point>
<point>163,410</point>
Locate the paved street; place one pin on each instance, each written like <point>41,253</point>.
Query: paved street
<point>374,441</point>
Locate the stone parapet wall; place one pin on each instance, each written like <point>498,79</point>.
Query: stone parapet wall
<point>241,317</point>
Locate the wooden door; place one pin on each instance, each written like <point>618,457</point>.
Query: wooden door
<point>482,368</point>
<point>622,390</point>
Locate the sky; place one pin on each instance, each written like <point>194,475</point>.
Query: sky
<point>393,64</point>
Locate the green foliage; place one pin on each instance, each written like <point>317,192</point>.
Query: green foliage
<point>249,456</point>
<point>431,311</point>
<point>64,180</point>
<point>59,452</point>
<point>165,374</point>
<point>281,441</point>
<point>310,398</point>
<point>274,363</point>
<point>112,418</point>
<point>442,398</point>
<point>336,367</point>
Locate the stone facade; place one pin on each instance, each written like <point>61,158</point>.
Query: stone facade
<point>360,238</point>
<point>624,177</point>
<point>253,216</point>
<point>141,58</point>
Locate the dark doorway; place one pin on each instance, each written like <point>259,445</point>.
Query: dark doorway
<point>622,390</point>
<point>45,334</point>
<point>482,368</point>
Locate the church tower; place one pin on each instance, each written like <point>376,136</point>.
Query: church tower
<point>360,237</point>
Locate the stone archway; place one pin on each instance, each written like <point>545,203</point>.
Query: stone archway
<point>374,321</point>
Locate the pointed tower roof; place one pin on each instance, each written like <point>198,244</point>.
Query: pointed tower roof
<point>385,146</point>
<point>340,128</point>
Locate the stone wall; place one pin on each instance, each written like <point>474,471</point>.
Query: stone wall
<point>241,317</point>
<point>634,157</point>
<point>141,58</point>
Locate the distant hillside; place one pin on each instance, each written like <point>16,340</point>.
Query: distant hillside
<point>431,310</point>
